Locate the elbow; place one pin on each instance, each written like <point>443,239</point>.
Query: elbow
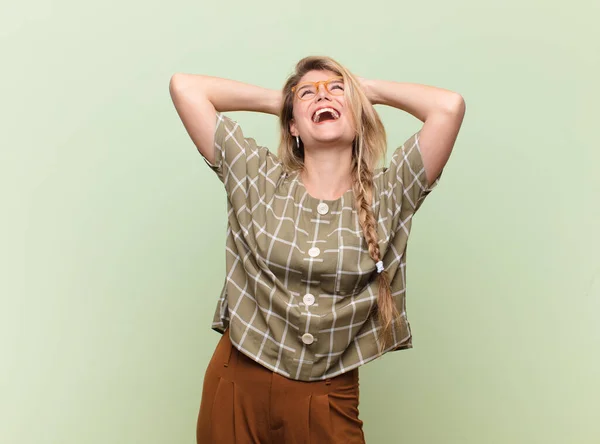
<point>176,82</point>
<point>182,83</point>
<point>456,105</point>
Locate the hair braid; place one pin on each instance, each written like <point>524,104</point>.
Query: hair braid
<point>369,147</point>
<point>363,193</point>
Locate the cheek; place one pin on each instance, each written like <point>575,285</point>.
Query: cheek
<point>349,123</point>
<point>299,113</point>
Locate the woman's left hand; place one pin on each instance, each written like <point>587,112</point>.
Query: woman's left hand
<point>366,86</point>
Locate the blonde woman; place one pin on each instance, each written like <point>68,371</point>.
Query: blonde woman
<point>316,244</point>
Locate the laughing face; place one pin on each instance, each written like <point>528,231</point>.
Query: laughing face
<point>321,116</point>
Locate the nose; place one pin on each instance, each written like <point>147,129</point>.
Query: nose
<point>322,93</point>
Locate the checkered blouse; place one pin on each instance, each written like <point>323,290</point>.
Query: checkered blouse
<point>300,284</point>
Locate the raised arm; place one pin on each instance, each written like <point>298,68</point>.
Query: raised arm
<point>198,98</point>
<point>441,110</point>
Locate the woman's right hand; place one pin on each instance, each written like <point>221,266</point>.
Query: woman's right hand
<point>198,98</point>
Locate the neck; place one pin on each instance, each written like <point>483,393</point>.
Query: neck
<point>327,174</point>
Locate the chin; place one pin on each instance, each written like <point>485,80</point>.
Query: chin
<point>334,141</point>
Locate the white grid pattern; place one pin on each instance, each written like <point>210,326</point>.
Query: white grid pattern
<point>272,223</point>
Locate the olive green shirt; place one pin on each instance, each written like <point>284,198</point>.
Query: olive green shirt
<point>300,286</point>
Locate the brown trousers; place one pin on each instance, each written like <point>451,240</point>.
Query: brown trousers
<point>244,402</point>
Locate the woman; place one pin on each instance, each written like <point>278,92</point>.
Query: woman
<point>316,244</point>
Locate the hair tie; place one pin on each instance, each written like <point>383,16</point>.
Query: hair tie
<point>379,266</point>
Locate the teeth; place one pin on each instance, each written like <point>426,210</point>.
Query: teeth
<point>317,115</point>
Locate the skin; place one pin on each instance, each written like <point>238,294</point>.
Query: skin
<point>197,98</point>
<point>327,145</point>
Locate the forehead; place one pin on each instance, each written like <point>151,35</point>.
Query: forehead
<point>316,76</point>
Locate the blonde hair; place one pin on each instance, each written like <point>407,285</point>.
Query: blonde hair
<point>368,148</point>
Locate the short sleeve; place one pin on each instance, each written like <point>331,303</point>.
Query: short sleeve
<point>404,183</point>
<point>248,171</point>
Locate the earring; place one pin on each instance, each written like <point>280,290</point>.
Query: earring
<point>298,142</point>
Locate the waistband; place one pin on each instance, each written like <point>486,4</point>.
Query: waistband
<point>233,365</point>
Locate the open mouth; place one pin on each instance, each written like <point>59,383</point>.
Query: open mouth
<point>325,115</point>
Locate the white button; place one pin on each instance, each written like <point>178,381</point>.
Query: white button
<point>308,299</point>
<point>322,208</point>
<point>307,338</point>
<point>314,252</point>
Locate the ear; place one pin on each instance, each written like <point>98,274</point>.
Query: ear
<point>293,129</point>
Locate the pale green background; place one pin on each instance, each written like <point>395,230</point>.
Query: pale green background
<point>113,228</point>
